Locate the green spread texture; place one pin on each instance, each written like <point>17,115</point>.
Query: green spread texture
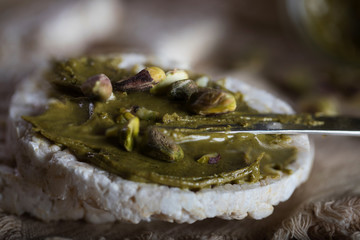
<point>123,135</point>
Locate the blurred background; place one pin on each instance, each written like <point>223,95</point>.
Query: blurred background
<point>306,51</point>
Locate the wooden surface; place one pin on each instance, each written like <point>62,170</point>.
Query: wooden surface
<point>335,174</point>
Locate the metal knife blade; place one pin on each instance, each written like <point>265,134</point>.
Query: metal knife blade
<point>273,124</point>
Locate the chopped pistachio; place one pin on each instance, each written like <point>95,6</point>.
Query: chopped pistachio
<point>98,86</point>
<point>183,89</point>
<point>144,113</point>
<point>171,77</point>
<point>157,74</point>
<point>211,101</point>
<point>176,74</point>
<point>142,81</point>
<point>218,84</point>
<point>210,158</point>
<point>202,81</point>
<point>128,132</point>
<point>124,117</point>
<point>159,146</point>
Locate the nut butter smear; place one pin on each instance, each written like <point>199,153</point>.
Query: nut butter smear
<point>108,117</point>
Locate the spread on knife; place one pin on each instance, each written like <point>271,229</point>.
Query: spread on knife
<point>110,117</point>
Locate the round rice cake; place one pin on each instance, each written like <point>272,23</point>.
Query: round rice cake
<point>49,183</point>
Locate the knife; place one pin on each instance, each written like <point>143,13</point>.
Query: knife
<point>281,124</point>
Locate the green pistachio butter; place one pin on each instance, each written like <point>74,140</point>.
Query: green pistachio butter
<point>86,128</point>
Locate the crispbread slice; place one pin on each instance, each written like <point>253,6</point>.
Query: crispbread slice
<point>51,184</point>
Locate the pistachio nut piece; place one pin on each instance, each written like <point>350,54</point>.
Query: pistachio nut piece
<point>156,73</point>
<point>183,89</point>
<point>211,101</point>
<point>98,86</point>
<point>159,146</point>
<point>144,113</point>
<point>210,158</point>
<point>171,77</point>
<point>129,131</point>
<point>124,117</point>
<point>142,81</point>
<point>202,81</point>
